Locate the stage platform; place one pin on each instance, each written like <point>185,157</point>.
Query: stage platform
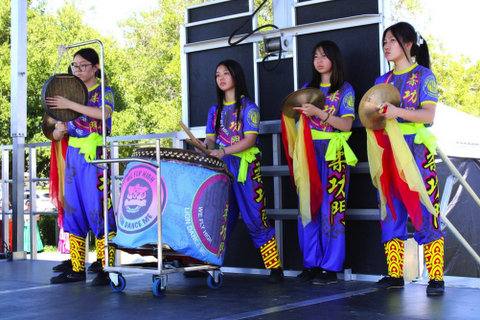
<point>26,293</point>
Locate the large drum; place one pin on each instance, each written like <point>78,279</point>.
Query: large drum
<point>194,204</point>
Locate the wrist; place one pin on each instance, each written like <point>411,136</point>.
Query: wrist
<point>224,152</point>
<point>326,118</point>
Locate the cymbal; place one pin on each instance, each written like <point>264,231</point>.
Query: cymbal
<point>370,105</point>
<point>48,126</point>
<point>305,95</point>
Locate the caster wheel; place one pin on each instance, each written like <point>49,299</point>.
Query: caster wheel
<point>215,284</point>
<point>121,284</point>
<point>159,287</point>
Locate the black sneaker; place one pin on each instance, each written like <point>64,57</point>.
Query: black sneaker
<point>95,267</point>
<point>276,275</point>
<point>65,265</point>
<point>435,288</point>
<point>325,277</point>
<point>388,282</point>
<point>102,279</point>
<point>69,276</point>
<point>308,274</point>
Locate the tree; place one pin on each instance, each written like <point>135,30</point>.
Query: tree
<point>458,79</point>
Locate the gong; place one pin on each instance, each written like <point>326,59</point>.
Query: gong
<point>68,86</point>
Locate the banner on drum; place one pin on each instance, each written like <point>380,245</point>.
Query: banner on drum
<point>194,206</point>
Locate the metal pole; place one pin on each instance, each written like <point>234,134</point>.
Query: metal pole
<point>460,238</point>
<point>18,122</point>
<point>459,176</point>
<point>467,187</point>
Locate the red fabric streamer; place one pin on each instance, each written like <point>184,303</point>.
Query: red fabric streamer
<point>58,148</point>
<point>316,187</point>
<point>285,148</point>
<point>393,186</point>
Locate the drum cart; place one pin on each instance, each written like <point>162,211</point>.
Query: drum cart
<point>168,260</point>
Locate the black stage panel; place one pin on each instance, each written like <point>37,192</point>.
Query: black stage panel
<point>275,83</point>
<point>360,50</point>
<point>329,10</point>
<point>217,10</point>
<point>217,30</point>
<point>201,80</point>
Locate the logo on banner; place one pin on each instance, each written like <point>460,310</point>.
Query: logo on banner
<point>209,212</point>
<point>138,199</point>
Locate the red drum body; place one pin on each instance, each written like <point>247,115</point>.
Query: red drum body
<point>194,204</point>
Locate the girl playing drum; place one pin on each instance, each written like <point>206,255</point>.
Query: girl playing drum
<point>232,130</point>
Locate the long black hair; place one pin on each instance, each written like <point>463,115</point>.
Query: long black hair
<point>240,84</point>
<point>405,32</point>
<point>91,56</point>
<point>332,51</point>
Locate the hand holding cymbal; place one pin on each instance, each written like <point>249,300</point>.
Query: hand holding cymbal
<point>297,98</point>
<point>370,107</point>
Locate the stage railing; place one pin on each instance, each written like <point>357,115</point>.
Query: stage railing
<point>176,140</point>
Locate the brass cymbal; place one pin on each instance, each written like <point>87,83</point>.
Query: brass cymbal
<point>48,126</point>
<point>370,105</point>
<point>305,95</point>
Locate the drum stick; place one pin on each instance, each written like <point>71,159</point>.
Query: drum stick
<point>194,140</point>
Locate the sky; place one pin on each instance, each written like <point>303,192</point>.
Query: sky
<point>451,22</point>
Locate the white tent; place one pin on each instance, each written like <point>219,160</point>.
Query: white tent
<point>458,133</point>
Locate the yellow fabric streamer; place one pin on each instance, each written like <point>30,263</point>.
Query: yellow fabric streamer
<point>337,141</point>
<point>302,174</point>
<point>88,146</point>
<point>404,160</point>
<point>246,156</point>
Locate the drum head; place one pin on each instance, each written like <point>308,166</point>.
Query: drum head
<point>185,156</point>
<point>68,86</point>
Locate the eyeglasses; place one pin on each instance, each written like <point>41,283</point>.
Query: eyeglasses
<point>80,67</point>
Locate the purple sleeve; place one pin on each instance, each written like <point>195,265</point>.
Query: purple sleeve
<point>211,121</point>
<point>251,120</point>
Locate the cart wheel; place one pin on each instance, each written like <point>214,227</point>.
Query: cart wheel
<point>215,284</point>
<point>159,288</point>
<point>121,284</point>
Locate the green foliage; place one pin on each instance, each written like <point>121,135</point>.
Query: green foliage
<point>458,82</point>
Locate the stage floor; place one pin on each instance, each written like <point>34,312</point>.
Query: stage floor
<point>26,293</point>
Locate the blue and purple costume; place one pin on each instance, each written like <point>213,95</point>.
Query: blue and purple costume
<point>322,241</point>
<point>247,193</point>
<point>417,85</point>
<point>84,180</point>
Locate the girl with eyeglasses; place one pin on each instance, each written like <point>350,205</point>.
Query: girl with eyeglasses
<point>83,209</point>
